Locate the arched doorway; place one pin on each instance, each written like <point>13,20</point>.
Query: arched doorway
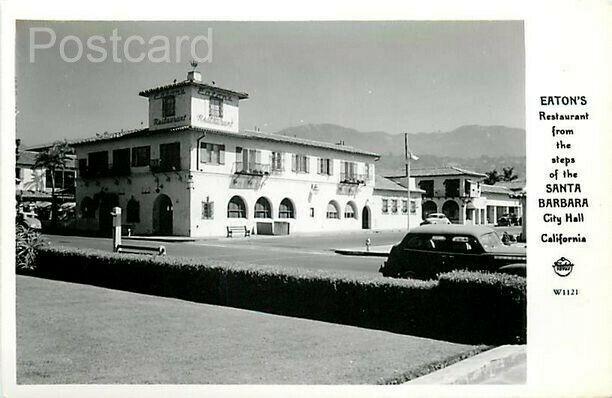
<point>105,219</point>
<point>450,208</point>
<point>365,218</point>
<point>428,207</point>
<point>162,215</point>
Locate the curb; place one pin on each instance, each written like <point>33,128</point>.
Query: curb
<point>360,253</point>
<point>479,368</point>
<point>158,239</point>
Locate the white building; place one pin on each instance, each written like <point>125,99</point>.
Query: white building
<point>194,173</point>
<point>34,184</point>
<point>462,197</point>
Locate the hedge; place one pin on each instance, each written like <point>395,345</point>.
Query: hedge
<point>472,308</point>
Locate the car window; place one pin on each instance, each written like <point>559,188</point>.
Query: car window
<point>463,244</point>
<point>490,241</point>
<point>419,242</point>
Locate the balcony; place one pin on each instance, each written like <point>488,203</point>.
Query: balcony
<point>119,170</point>
<point>353,178</point>
<point>251,168</point>
<point>86,172</point>
<point>164,165</point>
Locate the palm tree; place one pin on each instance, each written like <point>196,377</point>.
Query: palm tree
<point>509,174</point>
<point>53,158</point>
<point>492,177</point>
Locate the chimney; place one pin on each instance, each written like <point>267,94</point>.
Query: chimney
<point>194,76</point>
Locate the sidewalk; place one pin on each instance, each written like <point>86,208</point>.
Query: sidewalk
<point>502,365</point>
<point>375,251</point>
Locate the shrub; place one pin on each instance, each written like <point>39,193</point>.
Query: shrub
<point>27,243</point>
<point>454,308</point>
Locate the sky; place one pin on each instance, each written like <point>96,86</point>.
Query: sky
<point>394,77</point>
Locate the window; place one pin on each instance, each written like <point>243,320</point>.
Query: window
<point>404,206</point>
<point>413,207</point>
<point>88,208</point>
<point>121,160</point>
<point>368,171</point>
<point>276,160</point>
<point>208,210</point>
<point>350,210</point>
<point>132,211</point>
<point>348,171</point>
<point>263,208</point>
<point>141,156</point>
<point>170,156</point>
<point>385,206</point>
<point>58,177</point>
<point>326,166</point>
<point>236,208</point>
<point>285,210</point>
<point>312,213</point>
<point>97,162</point>
<point>333,210</point>
<point>216,107</point>
<point>168,106</point>
<point>451,187</point>
<point>394,206</point>
<point>212,153</point>
<point>300,163</point>
<point>69,179</point>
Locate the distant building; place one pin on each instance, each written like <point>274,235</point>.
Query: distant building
<point>462,197</point>
<point>192,172</point>
<point>34,184</point>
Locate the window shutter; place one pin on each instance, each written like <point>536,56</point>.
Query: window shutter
<point>221,154</point>
<point>294,162</point>
<point>202,152</point>
<point>211,209</point>
<point>307,161</point>
<point>331,167</point>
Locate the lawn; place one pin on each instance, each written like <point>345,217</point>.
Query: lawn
<point>70,333</point>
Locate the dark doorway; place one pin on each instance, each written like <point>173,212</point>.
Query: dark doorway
<point>162,215</point>
<point>105,219</point>
<point>427,208</point>
<point>365,218</point>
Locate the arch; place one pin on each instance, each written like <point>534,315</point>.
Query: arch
<point>263,208</point>
<point>286,209</point>
<point>366,222</point>
<point>236,208</point>
<point>88,208</point>
<point>428,207</point>
<point>132,210</point>
<point>163,214</point>
<point>350,210</point>
<point>333,210</point>
<point>105,219</point>
<point>450,208</point>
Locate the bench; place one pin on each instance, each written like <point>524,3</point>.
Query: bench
<point>159,250</point>
<point>241,229</point>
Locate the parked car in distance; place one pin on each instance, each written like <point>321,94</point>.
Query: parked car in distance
<point>432,249</point>
<point>436,218</point>
<point>29,220</point>
<point>508,220</point>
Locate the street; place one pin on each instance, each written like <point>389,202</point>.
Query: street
<point>307,251</point>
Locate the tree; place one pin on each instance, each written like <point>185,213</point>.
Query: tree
<point>52,159</point>
<point>509,174</point>
<point>493,176</point>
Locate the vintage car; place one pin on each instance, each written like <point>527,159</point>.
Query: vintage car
<point>436,218</point>
<point>431,249</point>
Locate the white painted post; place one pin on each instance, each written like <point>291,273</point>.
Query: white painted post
<point>116,228</point>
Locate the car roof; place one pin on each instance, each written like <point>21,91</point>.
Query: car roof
<point>474,230</point>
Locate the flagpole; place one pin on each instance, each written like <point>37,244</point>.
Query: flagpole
<point>407,180</point>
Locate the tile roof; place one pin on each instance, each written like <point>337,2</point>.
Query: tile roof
<point>495,189</point>
<point>28,158</point>
<point>386,184</point>
<point>184,83</point>
<point>258,135</point>
<point>444,171</point>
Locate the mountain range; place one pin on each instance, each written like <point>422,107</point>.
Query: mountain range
<point>475,147</point>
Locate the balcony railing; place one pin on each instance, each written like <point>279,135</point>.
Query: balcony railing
<point>353,178</point>
<point>164,165</point>
<point>257,169</point>
<point>93,171</point>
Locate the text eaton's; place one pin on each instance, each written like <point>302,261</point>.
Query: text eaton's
<point>133,48</point>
